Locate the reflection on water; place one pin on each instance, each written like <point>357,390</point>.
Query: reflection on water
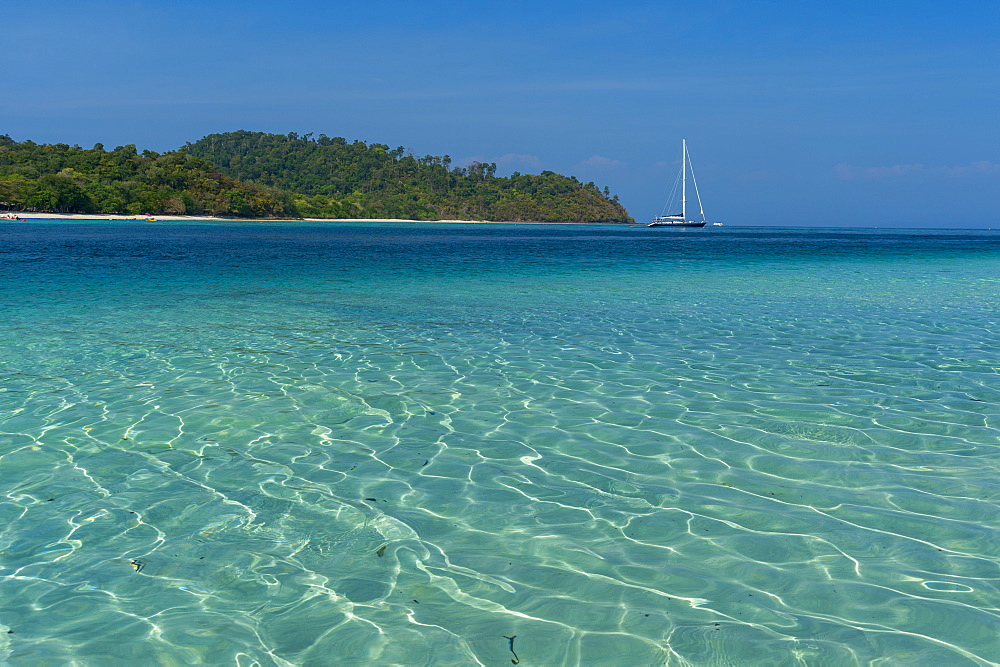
<point>440,443</point>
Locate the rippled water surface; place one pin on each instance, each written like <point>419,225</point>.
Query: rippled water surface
<point>414,444</point>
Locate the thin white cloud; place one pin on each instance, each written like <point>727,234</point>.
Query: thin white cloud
<point>978,167</point>
<point>848,172</point>
<point>601,163</point>
<point>519,160</point>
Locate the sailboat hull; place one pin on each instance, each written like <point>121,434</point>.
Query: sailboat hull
<point>676,224</point>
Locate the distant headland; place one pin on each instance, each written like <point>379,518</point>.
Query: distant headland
<point>254,175</point>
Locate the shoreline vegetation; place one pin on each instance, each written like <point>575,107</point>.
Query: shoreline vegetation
<point>256,176</point>
<point>28,216</point>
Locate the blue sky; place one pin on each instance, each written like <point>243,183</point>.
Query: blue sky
<point>848,113</point>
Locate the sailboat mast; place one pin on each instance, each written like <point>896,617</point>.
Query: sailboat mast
<point>684,174</point>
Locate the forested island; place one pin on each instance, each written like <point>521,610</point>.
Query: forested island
<point>256,175</point>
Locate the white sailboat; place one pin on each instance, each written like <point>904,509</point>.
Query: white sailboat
<point>681,219</point>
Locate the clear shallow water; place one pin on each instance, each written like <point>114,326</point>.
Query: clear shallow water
<point>408,443</point>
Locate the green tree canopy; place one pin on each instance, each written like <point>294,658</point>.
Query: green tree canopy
<point>69,179</point>
<point>258,175</point>
<point>335,177</point>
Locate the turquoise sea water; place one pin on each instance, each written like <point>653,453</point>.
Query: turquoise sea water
<point>407,444</point>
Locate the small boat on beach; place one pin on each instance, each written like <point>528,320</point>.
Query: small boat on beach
<point>681,219</point>
<point>11,216</point>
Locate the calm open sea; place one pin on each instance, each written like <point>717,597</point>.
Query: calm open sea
<point>467,444</point>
